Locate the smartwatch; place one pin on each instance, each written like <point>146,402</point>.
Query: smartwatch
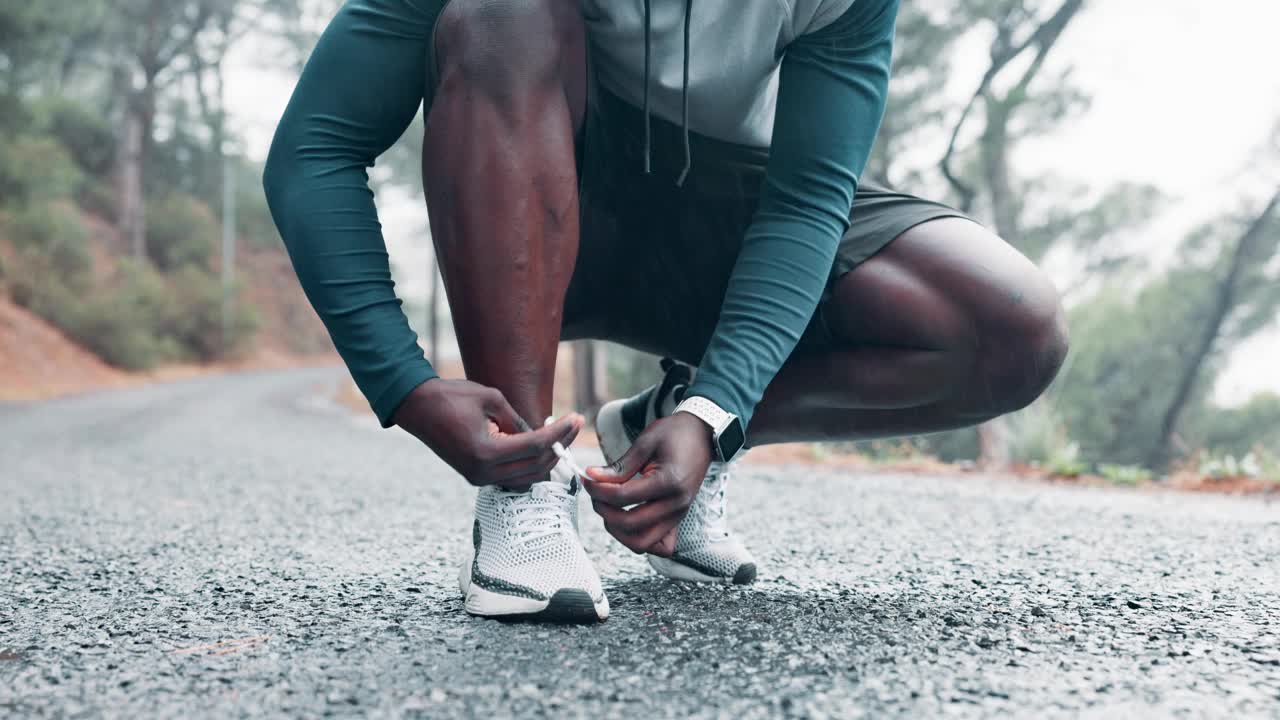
<point>726,428</point>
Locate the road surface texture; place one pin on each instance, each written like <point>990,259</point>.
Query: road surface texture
<point>236,547</point>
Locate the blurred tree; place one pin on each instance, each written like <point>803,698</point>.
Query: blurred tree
<point>1240,430</point>
<point>145,39</point>
<point>918,104</point>
<point>1244,295</point>
<point>1141,361</point>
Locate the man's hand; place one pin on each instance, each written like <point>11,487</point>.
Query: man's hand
<point>474,429</point>
<point>660,476</point>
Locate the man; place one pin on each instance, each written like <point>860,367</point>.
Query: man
<point>680,176</point>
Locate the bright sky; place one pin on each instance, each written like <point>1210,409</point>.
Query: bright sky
<point>1184,91</point>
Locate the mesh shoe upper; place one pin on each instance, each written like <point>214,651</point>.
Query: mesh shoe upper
<point>703,542</point>
<point>527,543</point>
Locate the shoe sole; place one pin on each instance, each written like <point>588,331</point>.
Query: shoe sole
<point>567,605</point>
<point>675,570</point>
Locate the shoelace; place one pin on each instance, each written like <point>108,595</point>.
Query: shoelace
<point>712,502</point>
<point>541,512</point>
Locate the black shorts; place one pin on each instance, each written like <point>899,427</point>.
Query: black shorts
<point>654,259</point>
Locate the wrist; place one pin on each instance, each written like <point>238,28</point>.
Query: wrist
<point>410,413</point>
<point>725,428</point>
<point>699,427</point>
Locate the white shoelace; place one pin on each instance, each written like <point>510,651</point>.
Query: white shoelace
<point>712,501</point>
<point>541,512</point>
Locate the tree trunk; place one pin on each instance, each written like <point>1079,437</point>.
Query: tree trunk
<point>994,153</point>
<point>132,217</point>
<point>589,380</point>
<point>1224,303</point>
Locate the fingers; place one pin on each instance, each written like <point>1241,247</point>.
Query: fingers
<point>629,465</point>
<point>666,547</point>
<point>537,443</point>
<point>508,420</point>
<point>644,528</point>
<point>642,489</point>
<point>527,471</point>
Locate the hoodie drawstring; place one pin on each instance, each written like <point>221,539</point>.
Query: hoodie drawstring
<point>647,141</point>
<point>684,92</point>
<point>684,96</point>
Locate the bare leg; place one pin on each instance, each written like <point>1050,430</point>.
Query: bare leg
<point>501,184</point>
<point>947,327</point>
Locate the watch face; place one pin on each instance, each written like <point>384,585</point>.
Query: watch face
<point>731,439</point>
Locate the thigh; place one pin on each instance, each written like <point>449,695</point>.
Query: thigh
<point>947,283</point>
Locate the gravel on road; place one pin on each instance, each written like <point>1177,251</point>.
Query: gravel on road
<point>238,547</point>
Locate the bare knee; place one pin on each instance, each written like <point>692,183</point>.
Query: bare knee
<point>509,48</point>
<point>1022,348</point>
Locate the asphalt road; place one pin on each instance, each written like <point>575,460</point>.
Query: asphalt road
<point>234,547</point>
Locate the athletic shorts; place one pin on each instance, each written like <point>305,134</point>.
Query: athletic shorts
<point>654,258</point>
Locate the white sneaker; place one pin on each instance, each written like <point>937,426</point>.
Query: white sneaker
<point>526,559</point>
<point>705,549</point>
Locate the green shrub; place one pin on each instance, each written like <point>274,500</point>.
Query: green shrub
<point>1065,462</point>
<point>194,320</point>
<point>1226,465</point>
<point>180,231</point>
<point>1124,474</point>
<point>87,135</point>
<point>52,241</point>
<point>36,169</point>
<point>125,324</point>
<point>1036,435</point>
<point>99,197</point>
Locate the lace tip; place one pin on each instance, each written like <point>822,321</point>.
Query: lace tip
<point>683,174</point>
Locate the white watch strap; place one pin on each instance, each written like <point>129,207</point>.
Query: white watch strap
<point>706,411</point>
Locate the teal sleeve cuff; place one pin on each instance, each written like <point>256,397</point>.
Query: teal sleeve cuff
<point>389,400</point>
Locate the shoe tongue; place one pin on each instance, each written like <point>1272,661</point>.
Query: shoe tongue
<point>666,404</point>
<point>668,393</point>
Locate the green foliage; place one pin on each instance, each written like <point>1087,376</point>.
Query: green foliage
<point>51,243</point>
<point>36,169</point>
<point>1126,357</point>
<point>194,318</point>
<point>1130,475</point>
<point>1225,465</point>
<point>1036,435</point>
<point>124,326</point>
<point>87,136</point>
<point>98,197</point>
<point>1065,462</point>
<point>181,231</point>
<point>1238,430</point>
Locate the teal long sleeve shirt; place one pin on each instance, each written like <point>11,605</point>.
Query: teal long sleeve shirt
<point>831,99</point>
<point>362,87</point>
